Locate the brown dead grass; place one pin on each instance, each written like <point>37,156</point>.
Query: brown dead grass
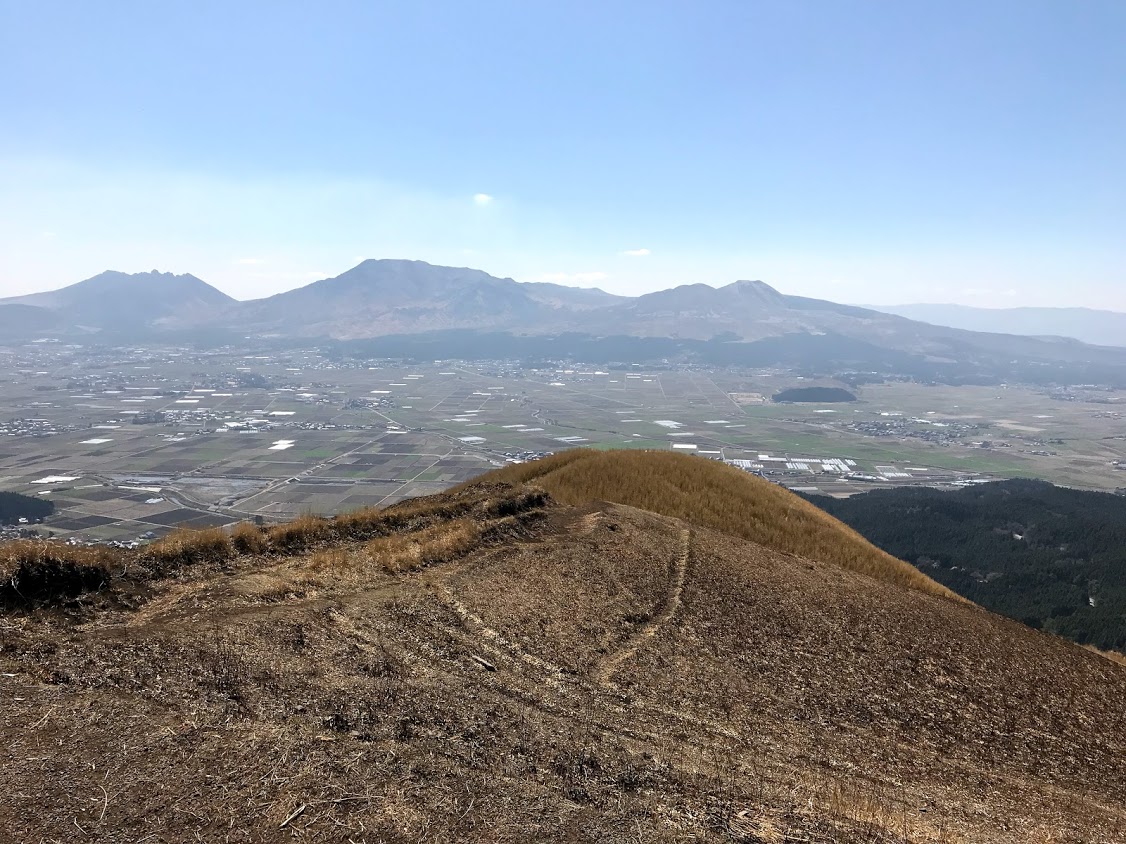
<point>32,571</point>
<point>298,534</point>
<point>13,554</point>
<point>400,552</point>
<point>185,547</point>
<point>711,494</point>
<point>249,539</point>
<point>39,572</point>
<point>407,552</point>
<point>329,560</point>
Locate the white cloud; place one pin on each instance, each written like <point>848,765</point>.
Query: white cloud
<point>251,262</point>
<point>636,253</point>
<point>481,199</point>
<point>574,279</point>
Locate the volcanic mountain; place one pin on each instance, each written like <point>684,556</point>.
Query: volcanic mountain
<point>594,647</point>
<point>411,309</point>
<point>379,297</point>
<point>397,297</point>
<point>417,309</point>
<point>118,301</point>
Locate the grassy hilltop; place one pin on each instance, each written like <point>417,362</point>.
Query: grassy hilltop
<point>713,495</point>
<point>590,648</point>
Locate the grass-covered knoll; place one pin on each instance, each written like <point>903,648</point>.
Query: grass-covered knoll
<point>713,495</point>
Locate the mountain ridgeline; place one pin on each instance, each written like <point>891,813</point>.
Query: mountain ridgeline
<point>411,309</point>
<point>1100,328</point>
<point>712,495</point>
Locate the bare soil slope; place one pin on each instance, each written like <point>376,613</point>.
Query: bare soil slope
<point>498,666</point>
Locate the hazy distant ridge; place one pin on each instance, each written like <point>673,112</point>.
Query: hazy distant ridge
<point>1100,328</point>
<point>412,307</point>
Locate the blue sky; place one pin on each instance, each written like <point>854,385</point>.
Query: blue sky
<point>875,152</point>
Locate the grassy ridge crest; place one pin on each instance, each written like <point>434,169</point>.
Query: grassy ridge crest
<point>713,495</point>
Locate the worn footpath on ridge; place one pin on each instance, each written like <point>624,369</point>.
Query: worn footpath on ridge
<point>513,669</point>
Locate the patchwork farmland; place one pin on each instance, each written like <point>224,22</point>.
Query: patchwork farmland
<point>130,443</point>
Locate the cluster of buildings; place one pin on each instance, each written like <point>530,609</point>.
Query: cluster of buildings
<point>939,433</point>
<point>34,427</point>
<point>525,456</point>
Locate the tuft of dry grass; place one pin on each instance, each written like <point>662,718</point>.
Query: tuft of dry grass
<point>714,495</point>
<point>360,523</point>
<point>329,560</point>
<point>299,534</point>
<point>249,539</point>
<point>20,551</point>
<point>33,571</point>
<point>187,547</point>
<point>437,543</point>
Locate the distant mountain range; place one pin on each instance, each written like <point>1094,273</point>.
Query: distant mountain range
<point>1101,328</point>
<point>411,308</point>
<point>119,301</point>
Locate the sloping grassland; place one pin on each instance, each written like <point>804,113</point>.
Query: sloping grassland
<point>491,665</point>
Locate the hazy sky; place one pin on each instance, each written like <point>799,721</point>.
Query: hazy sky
<point>874,152</point>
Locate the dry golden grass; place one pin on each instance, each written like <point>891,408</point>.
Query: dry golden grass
<point>872,816</point>
<point>711,494</point>
<point>437,543</point>
<point>38,552</point>
<point>249,539</point>
<point>329,560</point>
<point>32,571</point>
<point>329,692</point>
<point>301,533</point>
<point>41,571</point>
<point>1113,656</point>
<point>185,547</point>
<point>358,522</point>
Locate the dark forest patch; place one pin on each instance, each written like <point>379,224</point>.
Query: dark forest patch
<point>1051,557</point>
<point>14,506</point>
